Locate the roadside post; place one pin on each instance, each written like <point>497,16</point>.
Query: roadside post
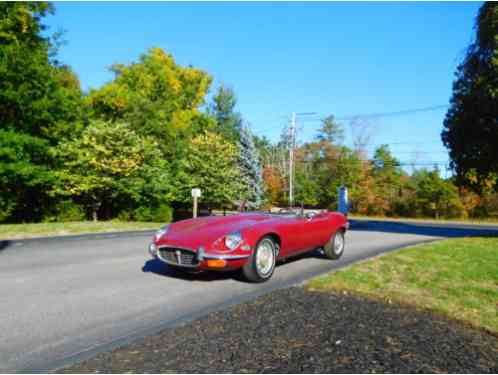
<point>196,193</point>
<point>343,204</point>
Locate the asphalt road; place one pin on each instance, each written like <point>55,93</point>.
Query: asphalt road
<point>66,299</point>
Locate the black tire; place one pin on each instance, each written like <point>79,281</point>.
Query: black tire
<point>254,273</point>
<point>334,248</point>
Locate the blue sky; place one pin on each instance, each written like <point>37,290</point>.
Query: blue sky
<point>330,58</point>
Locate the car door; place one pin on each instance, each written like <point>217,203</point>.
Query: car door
<point>292,235</point>
<point>301,233</point>
<point>318,229</point>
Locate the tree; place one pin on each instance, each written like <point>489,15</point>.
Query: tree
<point>361,134</point>
<point>20,23</point>
<point>33,97</point>
<point>307,189</point>
<point>435,196</point>
<point>110,162</point>
<point>157,97</point>
<point>386,173</point>
<point>471,123</point>
<point>264,147</point>
<point>250,169</point>
<point>25,175</point>
<point>229,122</point>
<point>330,131</point>
<point>345,169</point>
<point>40,101</point>
<point>212,166</point>
<point>274,185</point>
<point>321,168</point>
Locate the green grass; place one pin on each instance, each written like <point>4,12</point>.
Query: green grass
<point>17,231</point>
<point>457,278</point>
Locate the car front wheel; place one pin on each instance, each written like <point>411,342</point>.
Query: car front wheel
<point>261,264</point>
<point>335,247</point>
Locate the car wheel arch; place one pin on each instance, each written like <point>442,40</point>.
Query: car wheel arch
<point>276,239</point>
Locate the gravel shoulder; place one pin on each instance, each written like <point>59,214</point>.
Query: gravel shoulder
<point>294,330</point>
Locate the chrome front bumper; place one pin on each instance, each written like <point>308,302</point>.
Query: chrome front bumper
<point>201,254</point>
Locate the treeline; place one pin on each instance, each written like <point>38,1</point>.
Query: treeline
<point>134,148</point>
<point>131,149</point>
<point>378,186</point>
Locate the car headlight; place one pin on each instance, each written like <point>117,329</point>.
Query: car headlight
<point>153,249</point>
<point>161,232</point>
<point>233,240</point>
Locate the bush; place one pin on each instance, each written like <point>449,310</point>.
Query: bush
<point>66,211</point>
<point>162,213</point>
<point>125,215</point>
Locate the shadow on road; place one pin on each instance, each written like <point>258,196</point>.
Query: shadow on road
<point>425,229</point>
<point>4,244</point>
<point>162,269</point>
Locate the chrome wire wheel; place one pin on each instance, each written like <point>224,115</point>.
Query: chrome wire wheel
<point>338,244</point>
<point>334,248</point>
<point>265,257</point>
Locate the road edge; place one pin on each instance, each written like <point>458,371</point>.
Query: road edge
<point>4,243</point>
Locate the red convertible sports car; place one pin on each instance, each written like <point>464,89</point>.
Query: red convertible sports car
<point>252,242</point>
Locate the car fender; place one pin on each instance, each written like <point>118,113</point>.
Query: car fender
<point>254,234</point>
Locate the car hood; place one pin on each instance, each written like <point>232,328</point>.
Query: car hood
<point>203,231</point>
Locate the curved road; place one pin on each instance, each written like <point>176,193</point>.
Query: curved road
<point>65,299</point>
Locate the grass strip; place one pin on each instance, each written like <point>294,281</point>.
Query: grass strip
<point>457,278</point>
<point>19,231</point>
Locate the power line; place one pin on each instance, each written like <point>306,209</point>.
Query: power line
<point>419,152</point>
<point>366,116</point>
<point>388,163</point>
<point>388,114</point>
<point>409,143</point>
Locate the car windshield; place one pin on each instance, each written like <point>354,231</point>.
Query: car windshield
<point>288,212</point>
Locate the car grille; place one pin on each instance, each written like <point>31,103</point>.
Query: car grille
<point>181,257</point>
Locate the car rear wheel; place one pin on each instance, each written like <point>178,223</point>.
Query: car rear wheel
<point>261,264</point>
<point>335,247</point>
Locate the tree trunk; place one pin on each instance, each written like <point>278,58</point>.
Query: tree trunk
<point>95,211</point>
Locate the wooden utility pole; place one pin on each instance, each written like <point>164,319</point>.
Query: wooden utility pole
<point>292,131</point>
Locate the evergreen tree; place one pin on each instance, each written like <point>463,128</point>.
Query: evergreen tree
<point>471,124</point>
<point>252,178</point>
<point>387,174</point>
<point>330,131</point>
<point>228,121</point>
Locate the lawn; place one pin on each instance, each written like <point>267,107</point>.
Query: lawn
<point>457,278</point>
<point>17,231</point>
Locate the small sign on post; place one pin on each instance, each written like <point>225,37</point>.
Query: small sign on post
<point>196,193</point>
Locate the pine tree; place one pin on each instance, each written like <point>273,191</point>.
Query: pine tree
<point>229,122</point>
<point>252,178</point>
<point>471,124</point>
